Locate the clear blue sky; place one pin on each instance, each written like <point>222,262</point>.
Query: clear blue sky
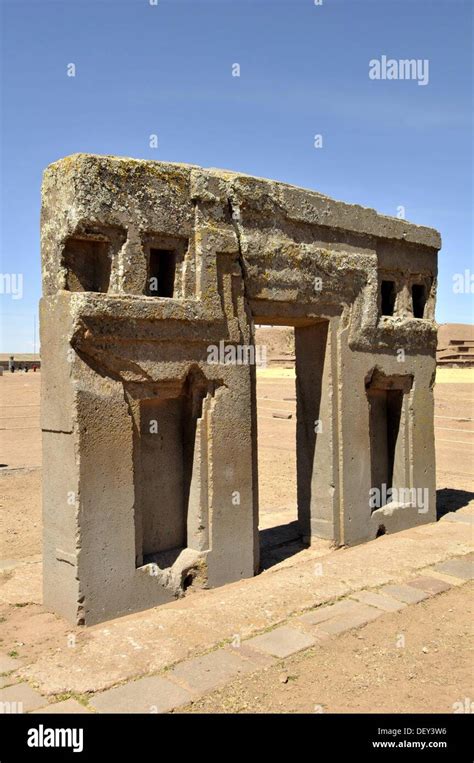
<point>166,69</point>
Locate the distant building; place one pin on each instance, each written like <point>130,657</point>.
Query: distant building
<point>28,359</point>
<point>455,344</point>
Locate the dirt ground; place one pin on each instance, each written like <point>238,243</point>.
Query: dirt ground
<point>405,662</point>
<point>20,518</point>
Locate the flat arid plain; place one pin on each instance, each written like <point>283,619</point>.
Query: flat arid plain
<point>414,657</point>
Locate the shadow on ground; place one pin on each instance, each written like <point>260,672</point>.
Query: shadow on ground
<point>448,499</point>
<point>283,541</point>
<point>279,543</point>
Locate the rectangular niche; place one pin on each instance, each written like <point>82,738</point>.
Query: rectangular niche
<point>161,273</point>
<point>158,475</point>
<point>88,257</point>
<point>88,264</point>
<point>164,265</point>
<point>170,470</point>
<point>388,297</point>
<point>419,297</point>
<point>386,397</point>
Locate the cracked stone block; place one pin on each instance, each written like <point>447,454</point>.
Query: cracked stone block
<point>363,615</point>
<point>378,600</point>
<point>458,568</point>
<point>429,585</point>
<point>257,658</point>
<point>321,614</point>
<point>203,674</point>
<point>146,695</point>
<point>282,642</point>
<point>405,593</point>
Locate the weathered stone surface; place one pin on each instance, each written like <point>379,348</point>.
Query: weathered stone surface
<point>153,270</point>
<point>147,695</point>
<point>378,600</point>
<point>282,641</point>
<point>459,568</point>
<point>320,615</point>
<point>20,698</point>
<point>430,585</point>
<point>355,619</point>
<point>406,593</point>
<point>205,673</point>
<point>256,658</point>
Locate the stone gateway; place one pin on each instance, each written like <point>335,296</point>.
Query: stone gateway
<point>150,445</point>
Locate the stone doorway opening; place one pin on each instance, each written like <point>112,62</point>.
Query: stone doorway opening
<point>288,392</point>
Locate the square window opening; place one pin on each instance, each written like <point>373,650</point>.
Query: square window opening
<point>161,273</point>
<point>418,295</point>
<point>88,265</point>
<point>388,296</point>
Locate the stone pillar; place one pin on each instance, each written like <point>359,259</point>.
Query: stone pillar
<point>316,428</point>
